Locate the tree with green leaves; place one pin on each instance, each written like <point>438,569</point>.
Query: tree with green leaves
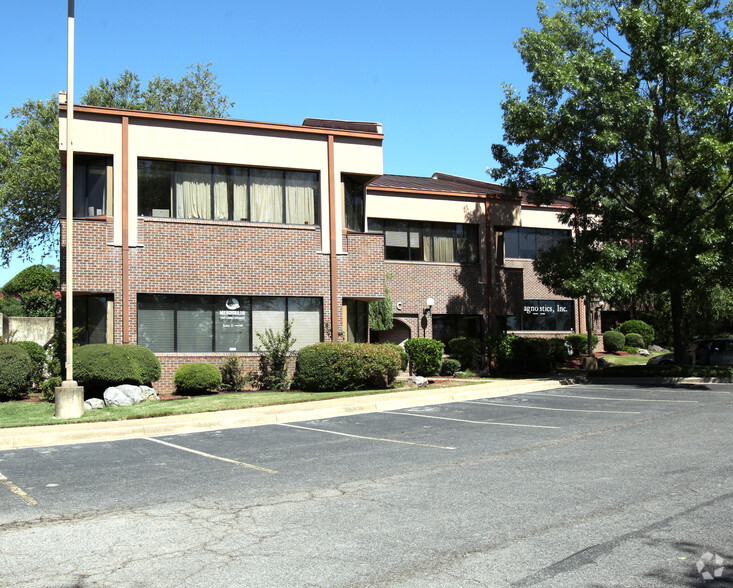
<point>630,114</point>
<point>30,181</point>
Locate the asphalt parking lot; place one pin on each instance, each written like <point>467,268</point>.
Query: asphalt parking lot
<point>581,486</point>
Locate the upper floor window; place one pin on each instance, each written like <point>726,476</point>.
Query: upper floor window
<point>427,241</point>
<point>524,243</point>
<point>92,185</point>
<point>352,190</point>
<point>220,192</point>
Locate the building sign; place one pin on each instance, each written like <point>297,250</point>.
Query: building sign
<point>548,315</point>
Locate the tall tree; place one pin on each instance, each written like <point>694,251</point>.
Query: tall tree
<point>630,112</point>
<point>30,181</point>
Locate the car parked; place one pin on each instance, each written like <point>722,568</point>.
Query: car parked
<point>702,352</point>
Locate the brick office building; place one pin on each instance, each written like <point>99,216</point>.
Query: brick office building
<point>193,234</point>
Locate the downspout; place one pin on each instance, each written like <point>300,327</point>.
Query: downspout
<point>125,234</point>
<point>489,267</point>
<point>333,260</point>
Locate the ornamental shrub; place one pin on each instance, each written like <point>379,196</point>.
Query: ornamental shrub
<point>404,358</point>
<point>467,350</point>
<point>232,375</point>
<point>425,355</point>
<point>35,277</point>
<point>613,341</point>
<point>39,303</point>
<point>579,343</point>
<point>345,366</point>
<point>640,327</point>
<point>499,347</point>
<point>274,360</point>
<point>450,367</point>
<point>15,371</point>
<point>634,340</point>
<point>102,365</point>
<point>631,350</point>
<point>38,359</point>
<point>196,378</point>
<point>11,306</point>
<point>48,388</point>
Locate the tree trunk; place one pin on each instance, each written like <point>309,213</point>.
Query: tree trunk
<point>589,324</point>
<point>678,335</point>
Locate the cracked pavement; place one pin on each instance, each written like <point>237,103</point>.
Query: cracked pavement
<point>605,499</point>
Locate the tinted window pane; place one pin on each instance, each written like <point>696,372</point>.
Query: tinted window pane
<point>527,243</point>
<point>154,188</point>
<point>156,323</point>
<point>564,315</point>
<point>396,240</point>
<point>267,313</point>
<point>194,324</point>
<point>511,243</point>
<point>305,314</point>
<point>232,317</point>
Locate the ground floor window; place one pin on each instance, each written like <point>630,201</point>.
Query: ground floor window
<point>199,324</point>
<point>90,319</point>
<point>543,315</point>
<point>450,326</point>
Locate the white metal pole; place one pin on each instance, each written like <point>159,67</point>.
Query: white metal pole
<point>70,198</point>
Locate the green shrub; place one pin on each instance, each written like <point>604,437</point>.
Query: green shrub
<point>38,359</point>
<point>15,371</point>
<point>640,327</point>
<point>532,355</point>
<point>613,341</point>
<point>35,277</point>
<point>631,350</point>
<point>39,303</point>
<point>274,361</point>
<point>426,355</point>
<point>404,358</point>
<point>634,340</point>
<point>345,366</point>
<point>48,388</point>
<point>499,347</point>
<point>102,365</point>
<point>196,378</point>
<point>11,306</point>
<point>467,350</point>
<point>232,375</point>
<point>579,342</point>
<point>450,367</point>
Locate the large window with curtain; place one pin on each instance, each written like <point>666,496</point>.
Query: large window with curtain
<point>175,323</point>
<point>92,185</point>
<point>427,241</point>
<point>221,192</point>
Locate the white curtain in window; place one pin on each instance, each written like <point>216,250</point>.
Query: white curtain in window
<point>266,195</point>
<point>300,197</point>
<point>267,313</point>
<point>443,244</point>
<point>305,313</point>
<point>221,194</point>
<point>239,192</point>
<point>193,191</point>
<point>427,244</point>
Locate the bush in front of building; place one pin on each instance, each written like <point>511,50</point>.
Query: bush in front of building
<point>467,350</point>
<point>426,355</point>
<point>38,360</point>
<point>404,358</point>
<point>450,367</point>
<point>613,341</point>
<point>640,327</point>
<point>579,343</point>
<point>15,371</point>
<point>529,355</point>
<point>325,367</point>
<point>102,365</point>
<point>48,388</point>
<point>232,374</point>
<point>197,378</point>
<point>634,340</point>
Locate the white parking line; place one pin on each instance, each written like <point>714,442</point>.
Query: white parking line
<point>24,496</point>
<point>609,398</point>
<point>364,437</point>
<point>429,416</point>
<point>547,408</point>
<point>201,453</point>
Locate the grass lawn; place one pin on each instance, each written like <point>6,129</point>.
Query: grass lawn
<point>614,360</point>
<point>15,413</point>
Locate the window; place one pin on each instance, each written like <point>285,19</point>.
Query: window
<point>543,315</point>
<point>203,324</point>
<point>427,241</point>
<point>524,243</point>
<point>91,187</point>
<point>352,190</point>
<point>90,316</point>
<point>450,326</point>
<point>220,192</point>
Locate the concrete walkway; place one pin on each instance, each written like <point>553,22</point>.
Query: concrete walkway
<point>64,434</point>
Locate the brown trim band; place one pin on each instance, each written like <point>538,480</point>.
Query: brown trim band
<point>125,234</point>
<point>416,192</point>
<point>333,260</point>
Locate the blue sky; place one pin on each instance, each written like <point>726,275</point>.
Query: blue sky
<point>430,72</point>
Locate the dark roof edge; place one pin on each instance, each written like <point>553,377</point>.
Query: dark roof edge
<point>344,125</point>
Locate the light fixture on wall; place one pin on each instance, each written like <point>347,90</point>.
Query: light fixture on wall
<point>429,310</point>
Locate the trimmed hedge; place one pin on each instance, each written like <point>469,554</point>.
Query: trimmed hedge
<point>15,371</point>
<point>634,340</point>
<point>404,358</point>
<point>613,341</point>
<point>467,350</point>
<point>102,365</point>
<point>640,327</point>
<point>531,355</point>
<point>345,366</point>
<point>579,342</point>
<point>38,359</point>
<point>450,367</point>
<point>35,277</point>
<point>425,355</point>
<point>197,378</point>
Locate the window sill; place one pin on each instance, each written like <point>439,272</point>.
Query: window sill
<point>231,223</point>
<point>433,263</point>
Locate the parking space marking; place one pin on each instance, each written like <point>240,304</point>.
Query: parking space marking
<point>548,408</point>
<point>609,398</point>
<point>365,437</point>
<point>225,459</point>
<point>430,416</point>
<point>24,496</point>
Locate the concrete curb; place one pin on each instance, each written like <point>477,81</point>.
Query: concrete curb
<point>658,380</point>
<point>65,434</point>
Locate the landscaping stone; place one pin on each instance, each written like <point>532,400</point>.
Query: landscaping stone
<point>128,394</point>
<point>417,381</point>
<point>93,404</point>
<point>643,352</point>
<point>135,393</point>
<point>150,393</point>
<point>113,396</point>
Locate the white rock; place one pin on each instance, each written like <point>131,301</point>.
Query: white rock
<point>643,352</point>
<point>150,393</point>
<point>93,404</point>
<point>113,396</point>
<point>417,381</point>
<point>134,392</point>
